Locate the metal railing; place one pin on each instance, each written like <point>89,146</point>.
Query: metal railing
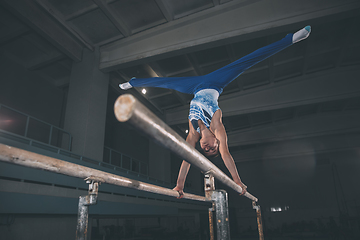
<point>21,127</point>
<point>125,161</point>
<point>62,152</point>
<point>36,132</point>
<point>14,121</point>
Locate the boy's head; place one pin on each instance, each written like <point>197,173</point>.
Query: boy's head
<point>210,146</point>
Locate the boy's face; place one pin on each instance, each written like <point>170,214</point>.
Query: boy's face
<point>210,146</point>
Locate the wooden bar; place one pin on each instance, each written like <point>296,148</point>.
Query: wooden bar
<point>29,159</point>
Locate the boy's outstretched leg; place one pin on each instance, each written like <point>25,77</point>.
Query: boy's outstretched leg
<point>223,76</point>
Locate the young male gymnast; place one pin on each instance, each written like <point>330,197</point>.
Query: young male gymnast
<point>205,124</point>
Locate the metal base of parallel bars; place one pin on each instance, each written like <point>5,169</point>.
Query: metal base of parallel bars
<point>209,186</point>
<point>220,199</point>
<point>259,220</point>
<point>220,206</point>
<point>83,209</point>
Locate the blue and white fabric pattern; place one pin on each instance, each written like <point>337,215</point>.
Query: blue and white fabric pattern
<point>203,106</point>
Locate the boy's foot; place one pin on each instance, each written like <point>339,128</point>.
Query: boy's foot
<point>125,86</point>
<point>301,34</point>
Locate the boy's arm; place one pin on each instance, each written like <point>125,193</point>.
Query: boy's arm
<point>192,139</point>
<point>220,134</point>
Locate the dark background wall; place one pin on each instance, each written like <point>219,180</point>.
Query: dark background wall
<point>25,91</point>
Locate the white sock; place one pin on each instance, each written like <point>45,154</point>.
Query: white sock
<point>125,86</point>
<point>301,34</point>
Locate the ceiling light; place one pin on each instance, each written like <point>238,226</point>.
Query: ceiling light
<point>143,91</point>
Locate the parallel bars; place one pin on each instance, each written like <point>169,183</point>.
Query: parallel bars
<point>129,109</point>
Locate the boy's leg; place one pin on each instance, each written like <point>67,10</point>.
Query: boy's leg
<point>180,84</point>
<point>225,75</point>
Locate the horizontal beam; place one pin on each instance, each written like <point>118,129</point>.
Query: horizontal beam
<point>318,87</point>
<point>165,10</point>
<point>29,159</point>
<point>118,23</point>
<point>227,23</point>
<point>128,109</point>
<point>57,16</point>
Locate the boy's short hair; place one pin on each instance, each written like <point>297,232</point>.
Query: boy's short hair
<point>208,157</point>
<point>198,147</point>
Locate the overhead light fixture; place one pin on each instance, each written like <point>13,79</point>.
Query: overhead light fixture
<point>279,209</point>
<point>143,91</point>
<point>186,131</point>
<point>276,209</point>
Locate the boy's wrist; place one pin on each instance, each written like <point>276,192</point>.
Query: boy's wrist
<point>238,182</point>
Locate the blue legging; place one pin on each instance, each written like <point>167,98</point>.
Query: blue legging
<point>219,78</point>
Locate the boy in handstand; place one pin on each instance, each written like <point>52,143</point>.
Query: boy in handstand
<point>205,116</point>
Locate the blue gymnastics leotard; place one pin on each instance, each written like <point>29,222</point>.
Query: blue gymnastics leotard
<point>203,106</point>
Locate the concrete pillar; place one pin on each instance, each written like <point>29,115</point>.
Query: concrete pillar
<point>86,106</point>
<point>159,162</point>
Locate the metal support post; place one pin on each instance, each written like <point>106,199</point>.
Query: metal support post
<point>220,200</point>
<point>259,220</point>
<point>209,185</point>
<point>84,203</point>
